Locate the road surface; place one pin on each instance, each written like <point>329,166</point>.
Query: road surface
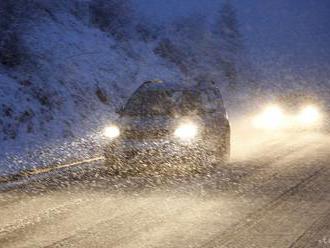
<point>275,193</point>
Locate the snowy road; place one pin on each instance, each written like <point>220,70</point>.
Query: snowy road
<point>273,194</point>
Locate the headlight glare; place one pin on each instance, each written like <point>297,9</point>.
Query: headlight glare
<point>186,131</point>
<point>111,132</point>
<point>309,115</point>
<point>271,118</point>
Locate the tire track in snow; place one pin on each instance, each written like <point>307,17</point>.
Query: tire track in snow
<point>252,218</point>
<point>50,213</point>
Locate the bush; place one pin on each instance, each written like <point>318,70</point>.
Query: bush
<point>12,50</point>
<point>147,32</point>
<point>112,16</point>
<point>101,95</point>
<point>167,50</point>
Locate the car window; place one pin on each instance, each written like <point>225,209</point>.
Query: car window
<point>151,103</point>
<point>211,101</point>
<point>190,101</point>
<point>168,102</point>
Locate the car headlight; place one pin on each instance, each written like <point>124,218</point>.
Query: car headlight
<point>111,132</point>
<point>186,131</point>
<point>271,118</point>
<point>309,115</point>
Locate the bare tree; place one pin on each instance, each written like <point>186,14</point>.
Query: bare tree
<point>230,43</point>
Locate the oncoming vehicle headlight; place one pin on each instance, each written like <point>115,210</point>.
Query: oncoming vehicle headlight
<point>111,132</point>
<point>309,115</point>
<point>271,118</point>
<point>186,131</point>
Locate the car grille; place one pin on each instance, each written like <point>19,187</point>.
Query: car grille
<point>146,134</point>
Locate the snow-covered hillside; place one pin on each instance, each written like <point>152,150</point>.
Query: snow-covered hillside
<point>73,79</point>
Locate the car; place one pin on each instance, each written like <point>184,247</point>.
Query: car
<point>294,111</point>
<point>168,125</point>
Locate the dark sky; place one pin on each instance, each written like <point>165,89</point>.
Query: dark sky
<point>281,35</point>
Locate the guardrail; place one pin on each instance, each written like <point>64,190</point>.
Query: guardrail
<point>44,170</point>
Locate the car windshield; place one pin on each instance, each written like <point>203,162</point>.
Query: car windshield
<point>164,102</point>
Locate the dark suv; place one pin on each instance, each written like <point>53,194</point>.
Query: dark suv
<point>166,125</point>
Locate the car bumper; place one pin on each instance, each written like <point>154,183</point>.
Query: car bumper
<point>156,151</point>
